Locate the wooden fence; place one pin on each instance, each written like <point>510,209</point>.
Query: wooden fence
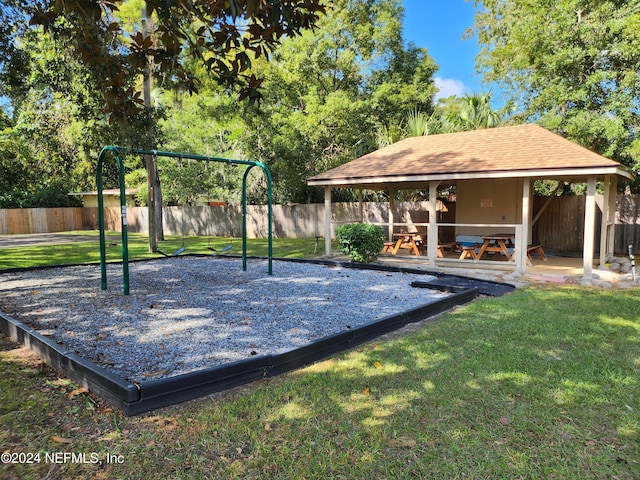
<point>289,221</point>
<point>41,220</point>
<point>560,228</point>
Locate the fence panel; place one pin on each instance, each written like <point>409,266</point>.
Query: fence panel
<point>41,220</point>
<point>560,228</point>
<point>627,224</point>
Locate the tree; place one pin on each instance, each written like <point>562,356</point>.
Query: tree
<point>572,66</point>
<point>209,124</point>
<point>219,35</point>
<point>57,127</point>
<point>327,90</point>
<point>36,168</point>
<point>452,114</point>
<point>471,112</point>
<point>415,124</point>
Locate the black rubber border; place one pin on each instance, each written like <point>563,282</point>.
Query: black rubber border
<point>134,399</point>
<point>448,284</point>
<point>112,388</point>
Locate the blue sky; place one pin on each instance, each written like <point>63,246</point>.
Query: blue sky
<point>438,26</point>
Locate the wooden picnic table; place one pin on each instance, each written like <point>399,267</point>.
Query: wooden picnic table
<point>407,240</point>
<point>497,243</point>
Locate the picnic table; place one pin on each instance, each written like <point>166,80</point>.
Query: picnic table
<point>498,243</point>
<point>409,241</point>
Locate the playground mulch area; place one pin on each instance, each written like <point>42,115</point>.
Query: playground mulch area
<point>188,313</point>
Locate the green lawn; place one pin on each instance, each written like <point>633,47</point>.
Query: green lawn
<point>541,383</point>
<point>138,248</point>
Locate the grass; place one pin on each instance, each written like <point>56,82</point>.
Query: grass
<point>541,383</point>
<point>138,248</point>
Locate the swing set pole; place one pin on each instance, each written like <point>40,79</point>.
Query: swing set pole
<point>116,151</point>
<point>123,220</point>
<point>269,216</point>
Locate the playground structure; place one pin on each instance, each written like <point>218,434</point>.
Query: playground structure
<point>117,151</point>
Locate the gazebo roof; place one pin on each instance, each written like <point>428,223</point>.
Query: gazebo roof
<point>516,151</point>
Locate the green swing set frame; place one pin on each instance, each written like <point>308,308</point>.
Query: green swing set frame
<point>117,151</point>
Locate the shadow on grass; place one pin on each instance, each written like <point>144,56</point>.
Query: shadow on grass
<point>540,383</point>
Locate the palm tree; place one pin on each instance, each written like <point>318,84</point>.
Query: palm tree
<point>471,112</point>
<point>417,124</point>
<point>454,114</point>
<point>388,134</point>
<point>476,113</point>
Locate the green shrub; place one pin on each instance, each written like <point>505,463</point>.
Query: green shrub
<point>361,241</point>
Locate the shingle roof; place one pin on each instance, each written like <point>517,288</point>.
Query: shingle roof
<point>523,150</point>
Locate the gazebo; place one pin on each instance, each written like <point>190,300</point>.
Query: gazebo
<point>492,170</point>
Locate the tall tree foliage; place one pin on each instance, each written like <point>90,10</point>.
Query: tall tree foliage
<point>452,114</point>
<point>471,112</point>
<point>570,65</point>
<point>106,52</point>
<point>223,36</point>
<point>58,121</point>
<point>325,92</point>
<point>209,124</point>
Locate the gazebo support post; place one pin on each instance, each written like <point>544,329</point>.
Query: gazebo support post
<point>589,231</point>
<point>613,189</point>
<point>392,207</point>
<point>607,228</point>
<point>529,231</point>
<point>361,205</point>
<point>522,236</point>
<point>327,220</point>
<point>432,229</point>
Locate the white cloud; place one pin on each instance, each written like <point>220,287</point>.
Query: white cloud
<point>449,86</point>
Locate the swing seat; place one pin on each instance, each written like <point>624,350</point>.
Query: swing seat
<point>225,249</point>
<point>174,254</point>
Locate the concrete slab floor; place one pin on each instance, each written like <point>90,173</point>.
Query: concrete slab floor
<point>555,270</point>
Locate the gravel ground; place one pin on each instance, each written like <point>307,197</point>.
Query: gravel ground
<point>188,313</point>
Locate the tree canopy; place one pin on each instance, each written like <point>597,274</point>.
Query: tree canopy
<point>223,36</point>
<point>85,65</point>
<point>327,91</point>
<point>572,66</point>
<point>325,94</point>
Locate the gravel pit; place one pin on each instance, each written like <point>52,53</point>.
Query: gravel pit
<point>188,313</point>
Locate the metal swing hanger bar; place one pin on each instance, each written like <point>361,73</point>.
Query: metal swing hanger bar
<point>116,151</point>
<point>188,156</point>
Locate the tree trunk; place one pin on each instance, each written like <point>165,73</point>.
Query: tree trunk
<point>154,192</point>
<point>154,200</point>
